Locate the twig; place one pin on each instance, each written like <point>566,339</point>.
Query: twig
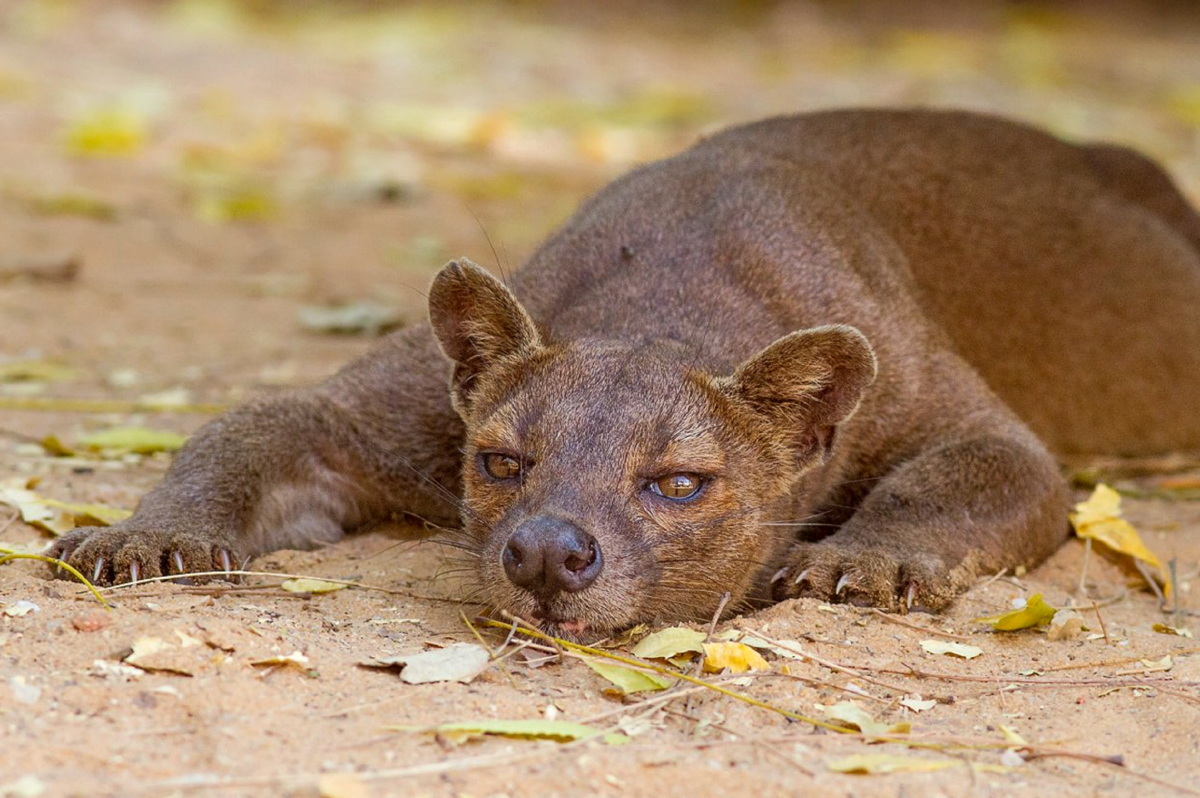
<point>753,742</point>
<point>70,569</point>
<point>923,629</point>
<point>1087,554</point>
<point>12,519</point>
<point>856,672</point>
<point>1108,663</point>
<point>1103,627</point>
<point>630,662</point>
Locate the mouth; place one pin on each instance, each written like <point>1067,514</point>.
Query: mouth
<point>552,623</point>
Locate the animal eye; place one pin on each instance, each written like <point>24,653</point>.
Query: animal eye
<point>501,466</point>
<point>679,487</point>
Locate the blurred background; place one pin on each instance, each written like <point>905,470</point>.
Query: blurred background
<point>198,193</point>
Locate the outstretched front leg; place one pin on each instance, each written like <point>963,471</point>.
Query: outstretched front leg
<point>295,471</point>
<point>972,504</point>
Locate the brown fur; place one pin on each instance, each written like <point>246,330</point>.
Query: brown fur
<point>861,328</point>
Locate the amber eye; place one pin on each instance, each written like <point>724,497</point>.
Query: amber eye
<point>501,466</point>
<point>677,486</point>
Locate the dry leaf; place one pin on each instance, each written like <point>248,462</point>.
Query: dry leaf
<point>883,764</point>
<point>628,679</point>
<point>560,731</point>
<point>670,643</point>
<point>106,132</point>
<point>855,717</point>
<point>20,608</point>
<point>918,704</point>
<point>951,649</point>
<point>1032,612</point>
<point>460,662</point>
<point>136,440</point>
<point>35,371</point>
<point>1099,519</point>
<point>155,654</point>
<point>1163,629</point>
<point>351,318</point>
<point>737,657</point>
<point>295,660</point>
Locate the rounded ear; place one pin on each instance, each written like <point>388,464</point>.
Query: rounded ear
<point>478,323</point>
<point>806,384</point>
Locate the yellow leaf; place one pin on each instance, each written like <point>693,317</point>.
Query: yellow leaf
<point>136,440</point>
<point>627,679</point>
<point>91,514</point>
<point>882,764</point>
<point>670,643</point>
<point>106,132</point>
<point>307,585</point>
<point>342,785</point>
<point>855,717</point>
<point>951,649</point>
<point>1034,612</point>
<point>1163,629</point>
<point>737,657</point>
<point>35,371</point>
<point>1099,519</point>
<point>34,509</point>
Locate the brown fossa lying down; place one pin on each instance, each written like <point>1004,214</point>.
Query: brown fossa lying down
<point>823,355</point>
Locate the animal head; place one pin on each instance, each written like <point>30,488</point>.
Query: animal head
<point>607,483</point>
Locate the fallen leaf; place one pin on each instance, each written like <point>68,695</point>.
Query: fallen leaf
<point>737,657</point>
<point>952,649</point>
<point>116,671</point>
<point>560,731</point>
<point>1099,519</point>
<point>156,654</point>
<point>1032,612</point>
<point>35,371</point>
<point>855,717</point>
<point>627,679</point>
<point>34,509</point>
<point>460,662</point>
<point>73,205</point>
<point>1163,629</point>
<point>20,608</point>
<point>135,440</point>
<point>883,764</point>
<point>106,132</point>
<point>351,318</point>
<point>309,585</point>
<point>295,660</point>
<point>918,704</point>
<point>1011,735</point>
<point>670,643</point>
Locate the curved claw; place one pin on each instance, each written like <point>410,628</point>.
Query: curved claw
<point>177,561</point>
<point>135,571</point>
<point>910,596</point>
<point>226,561</point>
<point>780,574</point>
<point>803,575</point>
<point>98,569</point>
<point>841,584</point>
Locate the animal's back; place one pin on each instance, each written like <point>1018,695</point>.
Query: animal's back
<point>1067,275</point>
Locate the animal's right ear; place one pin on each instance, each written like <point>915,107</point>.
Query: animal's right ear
<point>478,323</point>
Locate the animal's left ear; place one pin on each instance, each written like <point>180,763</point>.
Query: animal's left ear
<point>806,384</point>
<point>478,323</point>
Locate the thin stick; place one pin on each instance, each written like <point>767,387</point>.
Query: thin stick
<point>68,568</point>
<point>857,673</point>
<point>923,629</point>
<point>628,661</point>
<point>1103,627</point>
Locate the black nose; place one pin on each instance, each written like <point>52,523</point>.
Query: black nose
<point>547,555</point>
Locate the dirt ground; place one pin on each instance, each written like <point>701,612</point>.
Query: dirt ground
<point>215,167</point>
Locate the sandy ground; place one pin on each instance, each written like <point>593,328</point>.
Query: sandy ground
<point>213,170</point>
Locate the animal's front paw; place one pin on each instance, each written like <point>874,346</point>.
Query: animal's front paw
<point>871,577</point>
<point>121,553</point>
